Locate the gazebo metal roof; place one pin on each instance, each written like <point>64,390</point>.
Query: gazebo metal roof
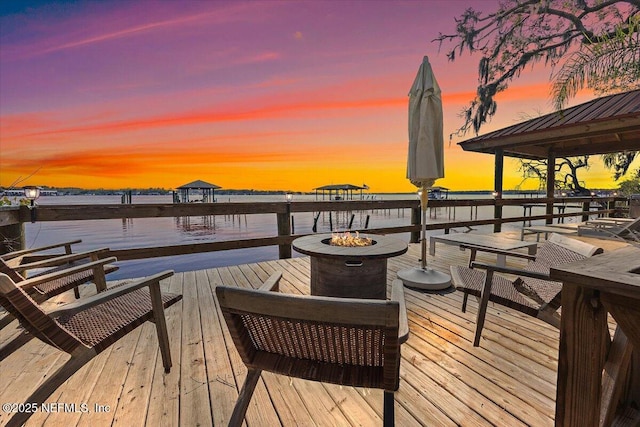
<point>604,125</point>
<point>341,187</point>
<point>341,190</point>
<point>207,189</point>
<point>198,185</point>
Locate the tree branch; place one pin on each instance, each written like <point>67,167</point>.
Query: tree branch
<point>522,33</point>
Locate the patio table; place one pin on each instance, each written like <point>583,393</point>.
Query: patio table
<point>485,240</point>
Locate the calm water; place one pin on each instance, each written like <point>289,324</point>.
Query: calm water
<point>148,232</point>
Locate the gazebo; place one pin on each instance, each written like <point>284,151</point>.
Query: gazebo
<point>342,191</point>
<point>207,189</point>
<point>604,125</point>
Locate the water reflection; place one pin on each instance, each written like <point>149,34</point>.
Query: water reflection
<point>199,226</point>
<point>127,223</point>
<point>236,220</point>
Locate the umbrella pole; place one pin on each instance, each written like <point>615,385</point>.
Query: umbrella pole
<point>423,277</point>
<point>424,200</point>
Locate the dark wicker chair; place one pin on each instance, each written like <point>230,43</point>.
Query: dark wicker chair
<point>47,283</point>
<point>59,274</point>
<point>347,341</point>
<point>85,328</point>
<point>531,292</point>
<point>15,258</point>
<point>627,231</point>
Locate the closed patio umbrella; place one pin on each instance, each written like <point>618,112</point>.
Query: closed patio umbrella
<point>425,163</point>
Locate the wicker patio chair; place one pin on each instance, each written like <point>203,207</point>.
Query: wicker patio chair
<point>531,292</point>
<point>15,258</point>
<point>347,341</point>
<point>628,231</point>
<point>44,284</point>
<point>85,328</point>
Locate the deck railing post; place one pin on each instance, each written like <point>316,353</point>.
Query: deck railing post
<point>284,229</point>
<point>586,207</point>
<point>415,220</point>
<point>611,206</point>
<point>12,219</point>
<point>12,238</point>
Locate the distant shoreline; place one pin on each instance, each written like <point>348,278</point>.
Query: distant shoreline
<point>245,192</point>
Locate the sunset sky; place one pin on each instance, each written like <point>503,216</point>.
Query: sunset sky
<point>263,95</point>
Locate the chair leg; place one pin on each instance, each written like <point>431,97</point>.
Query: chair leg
<point>161,325</point>
<point>464,302</point>
<point>388,410</point>
<point>49,386</point>
<point>482,308</point>
<point>239,411</point>
<point>99,279</point>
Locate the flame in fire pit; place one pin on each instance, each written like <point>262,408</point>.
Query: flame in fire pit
<point>348,239</point>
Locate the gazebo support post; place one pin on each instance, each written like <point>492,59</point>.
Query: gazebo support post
<point>499,168</point>
<point>551,179</point>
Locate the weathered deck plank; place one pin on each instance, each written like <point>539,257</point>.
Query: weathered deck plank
<point>261,409</point>
<point>509,380</point>
<point>194,394</point>
<point>164,402</point>
<point>221,380</point>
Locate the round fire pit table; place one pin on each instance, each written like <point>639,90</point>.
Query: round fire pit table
<point>349,271</point>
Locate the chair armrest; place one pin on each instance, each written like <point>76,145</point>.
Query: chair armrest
<point>152,282</point>
<point>497,251</point>
<point>397,294</point>
<point>610,232</point>
<point>597,223</point>
<point>617,232</point>
<point>63,259</point>
<point>37,280</point>
<point>510,270</point>
<point>272,283</point>
<point>15,254</point>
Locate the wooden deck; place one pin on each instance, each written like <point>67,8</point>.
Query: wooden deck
<point>508,381</point>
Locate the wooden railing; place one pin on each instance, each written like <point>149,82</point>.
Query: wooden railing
<point>13,218</point>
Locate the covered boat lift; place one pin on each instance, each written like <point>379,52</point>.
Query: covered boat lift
<point>207,189</point>
<point>342,191</point>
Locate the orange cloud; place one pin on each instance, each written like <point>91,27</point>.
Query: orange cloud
<point>457,97</point>
<point>19,123</point>
<point>273,111</point>
<point>514,93</point>
<point>525,92</point>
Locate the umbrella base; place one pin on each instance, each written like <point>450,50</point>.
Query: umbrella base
<point>424,278</point>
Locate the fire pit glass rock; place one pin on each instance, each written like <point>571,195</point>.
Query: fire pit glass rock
<point>348,239</point>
